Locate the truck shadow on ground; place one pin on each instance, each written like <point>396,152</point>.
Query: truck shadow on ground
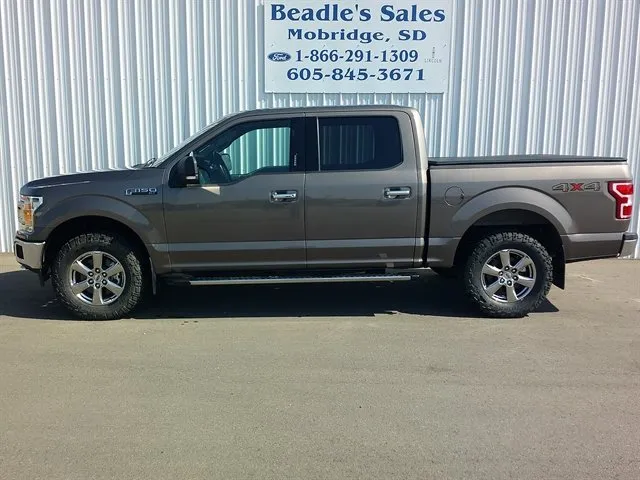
<point>22,297</point>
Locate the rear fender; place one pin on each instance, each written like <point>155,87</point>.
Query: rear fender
<point>528,200</point>
<point>511,198</point>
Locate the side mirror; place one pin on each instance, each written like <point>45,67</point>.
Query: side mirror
<point>185,173</point>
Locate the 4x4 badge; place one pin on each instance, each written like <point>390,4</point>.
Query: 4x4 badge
<point>576,187</point>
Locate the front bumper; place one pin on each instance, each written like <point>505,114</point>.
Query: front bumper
<point>29,254</point>
<point>629,242</point>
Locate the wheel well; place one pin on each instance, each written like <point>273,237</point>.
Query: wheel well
<point>523,221</point>
<point>77,226</point>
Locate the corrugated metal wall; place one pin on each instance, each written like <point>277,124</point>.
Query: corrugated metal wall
<point>102,84</point>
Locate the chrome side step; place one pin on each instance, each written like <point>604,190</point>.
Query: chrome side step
<point>312,279</point>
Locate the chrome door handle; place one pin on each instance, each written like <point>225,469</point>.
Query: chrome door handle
<point>284,196</point>
<point>397,192</point>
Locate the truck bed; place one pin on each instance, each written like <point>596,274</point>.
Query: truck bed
<point>569,192</point>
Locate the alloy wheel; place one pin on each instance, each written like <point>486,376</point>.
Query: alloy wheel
<point>97,278</point>
<point>508,276</point>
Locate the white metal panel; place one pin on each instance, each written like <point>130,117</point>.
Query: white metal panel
<point>106,84</point>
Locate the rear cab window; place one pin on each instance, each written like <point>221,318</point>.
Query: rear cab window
<point>358,143</point>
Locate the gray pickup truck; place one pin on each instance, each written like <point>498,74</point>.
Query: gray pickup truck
<point>322,194</point>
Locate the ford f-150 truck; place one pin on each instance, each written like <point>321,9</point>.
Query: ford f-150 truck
<point>322,194</point>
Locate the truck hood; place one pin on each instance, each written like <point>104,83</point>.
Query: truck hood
<point>77,178</point>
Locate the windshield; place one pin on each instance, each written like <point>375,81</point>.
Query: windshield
<point>154,162</point>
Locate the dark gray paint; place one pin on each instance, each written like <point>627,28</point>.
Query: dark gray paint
<point>237,225</point>
<point>341,219</point>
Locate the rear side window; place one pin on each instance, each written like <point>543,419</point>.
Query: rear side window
<point>359,143</point>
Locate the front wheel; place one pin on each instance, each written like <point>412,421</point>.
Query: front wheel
<point>98,277</point>
<point>508,274</point>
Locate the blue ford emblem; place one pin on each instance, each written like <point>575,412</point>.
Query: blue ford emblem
<point>279,56</point>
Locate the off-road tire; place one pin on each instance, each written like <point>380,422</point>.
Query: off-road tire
<point>488,246</point>
<point>128,257</point>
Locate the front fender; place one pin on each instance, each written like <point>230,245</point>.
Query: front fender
<point>99,206</point>
<point>512,198</point>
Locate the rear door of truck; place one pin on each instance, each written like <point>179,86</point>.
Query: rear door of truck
<point>361,190</point>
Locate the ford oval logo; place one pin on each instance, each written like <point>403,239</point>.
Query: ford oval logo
<point>279,56</point>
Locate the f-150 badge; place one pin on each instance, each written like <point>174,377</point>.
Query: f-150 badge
<point>141,191</point>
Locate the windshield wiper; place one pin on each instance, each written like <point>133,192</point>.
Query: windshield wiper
<point>150,162</point>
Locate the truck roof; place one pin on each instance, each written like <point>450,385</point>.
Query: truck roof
<point>331,108</point>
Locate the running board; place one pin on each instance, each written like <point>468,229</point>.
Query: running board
<point>283,279</point>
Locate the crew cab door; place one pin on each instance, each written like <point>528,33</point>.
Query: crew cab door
<point>361,191</point>
<point>247,209</point>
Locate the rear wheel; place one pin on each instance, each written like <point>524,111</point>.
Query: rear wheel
<point>98,277</point>
<point>508,274</point>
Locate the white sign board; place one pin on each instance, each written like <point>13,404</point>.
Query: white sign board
<point>366,46</point>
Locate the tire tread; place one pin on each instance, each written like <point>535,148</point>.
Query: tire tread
<point>124,305</point>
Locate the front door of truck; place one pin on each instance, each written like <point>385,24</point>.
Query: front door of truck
<point>361,194</point>
<point>247,210</point>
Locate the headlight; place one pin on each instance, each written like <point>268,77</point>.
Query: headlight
<point>26,209</point>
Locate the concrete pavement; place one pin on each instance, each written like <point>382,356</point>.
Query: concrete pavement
<point>306,382</point>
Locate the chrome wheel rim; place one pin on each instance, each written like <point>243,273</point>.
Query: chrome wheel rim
<point>97,278</point>
<point>508,276</point>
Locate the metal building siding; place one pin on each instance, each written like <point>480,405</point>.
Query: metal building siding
<point>106,84</point>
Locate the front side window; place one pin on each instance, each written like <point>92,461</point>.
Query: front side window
<point>359,143</point>
<point>244,150</point>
